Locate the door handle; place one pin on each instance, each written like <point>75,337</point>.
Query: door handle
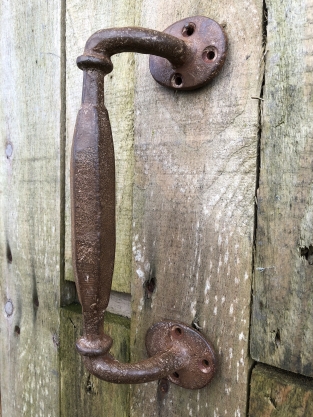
<point>185,56</point>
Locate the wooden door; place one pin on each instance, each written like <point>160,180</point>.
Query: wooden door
<point>188,182</point>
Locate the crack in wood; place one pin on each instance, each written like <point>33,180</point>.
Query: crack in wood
<point>307,253</point>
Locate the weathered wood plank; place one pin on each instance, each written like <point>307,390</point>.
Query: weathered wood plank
<point>30,201</point>
<point>88,395</point>
<point>280,394</point>
<point>120,304</point>
<point>83,19</point>
<point>282,330</point>
<point>195,172</point>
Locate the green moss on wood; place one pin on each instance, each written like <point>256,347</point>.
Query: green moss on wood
<point>275,393</point>
<point>83,394</point>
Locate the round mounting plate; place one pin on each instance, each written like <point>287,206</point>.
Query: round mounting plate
<point>202,365</point>
<point>208,44</point>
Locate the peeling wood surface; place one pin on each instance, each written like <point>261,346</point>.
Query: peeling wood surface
<point>282,330</point>
<point>84,395</point>
<point>82,20</point>
<point>275,393</point>
<point>30,201</point>
<point>195,172</point>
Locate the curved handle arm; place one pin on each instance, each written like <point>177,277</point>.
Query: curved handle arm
<point>93,210</point>
<point>107,42</point>
<point>159,366</point>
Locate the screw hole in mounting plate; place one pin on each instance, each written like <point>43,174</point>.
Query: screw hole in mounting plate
<point>177,80</point>
<point>204,366</point>
<point>176,332</point>
<point>188,29</point>
<point>209,54</point>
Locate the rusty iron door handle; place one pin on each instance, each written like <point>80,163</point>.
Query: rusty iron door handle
<point>186,56</point>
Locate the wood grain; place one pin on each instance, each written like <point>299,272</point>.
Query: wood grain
<point>282,330</point>
<point>82,20</point>
<point>279,394</point>
<point>84,395</point>
<point>30,201</point>
<point>195,173</point>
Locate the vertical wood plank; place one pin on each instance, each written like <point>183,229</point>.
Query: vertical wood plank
<point>195,172</point>
<point>282,330</point>
<point>83,19</point>
<point>279,394</point>
<point>30,201</point>
<point>82,394</point>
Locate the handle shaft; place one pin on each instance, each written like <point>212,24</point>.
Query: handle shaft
<point>93,209</point>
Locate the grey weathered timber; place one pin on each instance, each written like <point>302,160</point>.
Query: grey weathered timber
<point>195,172</point>
<point>276,393</point>
<point>282,326</point>
<point>82,394</point>
<point>120,304</point>
<point>82,20</point>
<point>30,201</point>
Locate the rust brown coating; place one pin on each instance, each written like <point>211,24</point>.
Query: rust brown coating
<point>159,366</point>
<point>207,43</point>
<point>107,42</point>
<point>93,209</point>
<point>177,351</point>
<point>201,365</point>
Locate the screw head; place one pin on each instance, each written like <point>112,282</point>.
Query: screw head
<point>8,150</point>
<point>8,308</point>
